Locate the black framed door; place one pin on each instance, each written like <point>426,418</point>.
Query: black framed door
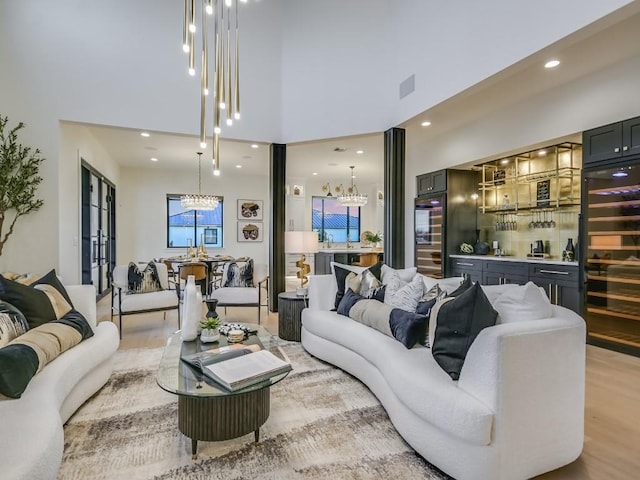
<point>98,229</point>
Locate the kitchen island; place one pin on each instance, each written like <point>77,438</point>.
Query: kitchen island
<point>347,256</point>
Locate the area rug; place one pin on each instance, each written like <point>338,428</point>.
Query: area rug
<point>324,424</point>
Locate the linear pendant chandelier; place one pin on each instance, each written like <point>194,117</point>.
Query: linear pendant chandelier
<point>226,67</point>
<point>199,201</point>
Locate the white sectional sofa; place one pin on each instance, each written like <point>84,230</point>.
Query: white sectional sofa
<point>31,433</point>
<point>516,411</point>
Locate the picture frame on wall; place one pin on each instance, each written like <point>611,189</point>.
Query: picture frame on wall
<point>250,231</point>
<point>250,209</point>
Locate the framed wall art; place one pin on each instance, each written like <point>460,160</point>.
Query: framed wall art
<point>250,209</point>
<point>249,231</point>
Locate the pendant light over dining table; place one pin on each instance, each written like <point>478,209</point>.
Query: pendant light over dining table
<point>219,18</point>
<point>199,201</point>
<point>349,196</point>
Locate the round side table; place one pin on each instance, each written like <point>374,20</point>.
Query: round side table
<point>290,308</point>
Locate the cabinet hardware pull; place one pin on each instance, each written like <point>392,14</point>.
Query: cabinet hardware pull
<point>464,264</point>
<point>625,148</point>
<point>616,150</point>
<point>555,272</point>
<point>557,302</point>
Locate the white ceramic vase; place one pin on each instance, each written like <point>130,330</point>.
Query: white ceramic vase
<point>190,311</point>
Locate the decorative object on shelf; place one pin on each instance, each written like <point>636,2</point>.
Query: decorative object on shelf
<point>569,251</point>
<point>381,198</point>
<point>191,310</point>
<point>481,248</point>
<point>301,242</point>
<point>543,193</point>
<point>297,191</point>
<point>210,327</point>
<point>349,196</point>
<point>250,210</point>
<point>199,201</point>
<point>224,63</point>
<point>466,248</point>
<point>249,231</point>
<point>19,180</point>
<point>499,176</point>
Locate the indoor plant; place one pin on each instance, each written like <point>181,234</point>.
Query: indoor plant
<point>374,238</point>
<point>210,329</point>
<point>19,179</point>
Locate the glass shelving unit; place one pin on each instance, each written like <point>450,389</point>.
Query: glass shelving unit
<point>544,178</point>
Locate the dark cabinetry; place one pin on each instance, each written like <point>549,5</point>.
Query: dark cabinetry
<point>323,260</point>
<point>499,273</point>
<point>443,219</point>
<point>612,141</point>
<point>560,282</point>
<point>462,267</point>
<point>433,182</point>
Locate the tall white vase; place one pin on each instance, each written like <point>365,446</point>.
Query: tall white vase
<point>190,310</point>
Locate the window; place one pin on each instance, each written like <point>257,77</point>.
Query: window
<point>331,218</point>
<point>189,227</point>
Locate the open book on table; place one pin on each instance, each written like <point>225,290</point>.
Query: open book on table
<point>215,355</point>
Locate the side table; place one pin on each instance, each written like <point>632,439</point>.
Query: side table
<point>290,308</point>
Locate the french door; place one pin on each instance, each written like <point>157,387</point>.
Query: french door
<point>98,229</point>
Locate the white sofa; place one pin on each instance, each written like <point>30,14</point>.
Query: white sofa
<point>31,433</point>
<point>516,411</point>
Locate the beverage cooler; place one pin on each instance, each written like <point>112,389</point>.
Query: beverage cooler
<point>429,235</point>
<point>610,257</point>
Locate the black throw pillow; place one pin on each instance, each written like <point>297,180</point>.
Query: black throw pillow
<point>52,279</point>
<point>407,327</point>
<point>40,303</point>
<point>349,299</point>
<point>458,323</point>
<point>464,286</point>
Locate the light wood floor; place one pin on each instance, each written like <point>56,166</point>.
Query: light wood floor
<point>612,416</point>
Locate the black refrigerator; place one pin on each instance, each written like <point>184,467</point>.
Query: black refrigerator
<point>610,254</point>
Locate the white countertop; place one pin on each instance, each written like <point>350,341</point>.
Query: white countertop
<point>349,250</point>
<point>548,261</point>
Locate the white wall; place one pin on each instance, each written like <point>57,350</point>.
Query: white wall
<point>142,211</point>
<point>450,46</point>
<point>76,143</point>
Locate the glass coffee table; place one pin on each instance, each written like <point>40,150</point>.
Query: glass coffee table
<point>206,410</point>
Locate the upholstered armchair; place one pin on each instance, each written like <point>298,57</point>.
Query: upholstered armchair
<point>240,296</point>
<point>125,303</point>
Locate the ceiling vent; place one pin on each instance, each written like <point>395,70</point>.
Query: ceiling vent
<point>339,149</point>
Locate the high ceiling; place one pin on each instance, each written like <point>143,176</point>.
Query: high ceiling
<point>610,40</point>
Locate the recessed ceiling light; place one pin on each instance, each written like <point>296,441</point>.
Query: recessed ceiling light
<point>255,145</point>
<point>552,64</point>
<point>154,159</point>
<point>238,166</point>
<point>314,173</point>
<point>145,134</point>
<point>359,152</point>
<point>425,124</point>
<point>542,153</point>
<point>505,161</point>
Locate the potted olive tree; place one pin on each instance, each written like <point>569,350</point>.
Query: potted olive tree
<point>210,329</point>
<point>19,179</point>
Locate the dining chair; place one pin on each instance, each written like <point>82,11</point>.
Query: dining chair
<point>200,271</point>
<point>366,259</point>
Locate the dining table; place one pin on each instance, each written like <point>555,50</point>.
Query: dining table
<point>213,262</point>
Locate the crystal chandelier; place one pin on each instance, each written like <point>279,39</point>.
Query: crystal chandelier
<point>199,201</point>
<point>350,197</point>
<point>225,64</point>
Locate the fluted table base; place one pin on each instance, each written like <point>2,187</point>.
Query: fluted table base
<point>221,418</point>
